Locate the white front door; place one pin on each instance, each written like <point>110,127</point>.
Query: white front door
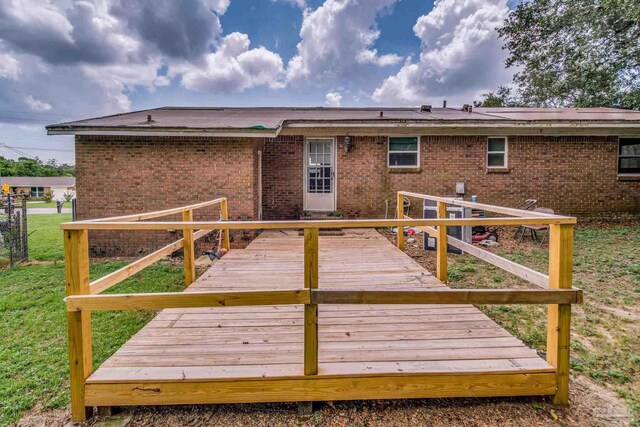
<point>319,173</point>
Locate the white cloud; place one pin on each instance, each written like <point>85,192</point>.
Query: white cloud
<point>219,6</point>
<point>333,99</point>
<point>119,47</point>
<point>9,66</point>
<point>299,3</point>
<point>370,56</point>
<point>162,81</point>
<point>337,39</point>
<point>233,67</point>
<point>461,55</point>
<point>36,104</point>
<point>118,80</point>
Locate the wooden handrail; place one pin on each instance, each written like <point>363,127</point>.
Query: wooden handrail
<point>113,278</point>
<point>314,297</point>
<point>157,214</point>
<point>560,276</point>
<point>82,296</point>
<point>526,273</point>
<point>449,296</point>
<point>480,206</point>
<point>162,300</point>
<point>295,225</point>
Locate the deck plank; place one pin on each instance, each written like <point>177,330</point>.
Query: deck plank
<point>266,342</point>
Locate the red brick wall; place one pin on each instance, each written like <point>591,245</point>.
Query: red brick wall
<point>573,175</point>
<point>124,175</point>
<point>282,177</point>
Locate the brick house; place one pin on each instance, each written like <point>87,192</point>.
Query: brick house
<point>277,163</point>
<point>36,186</point>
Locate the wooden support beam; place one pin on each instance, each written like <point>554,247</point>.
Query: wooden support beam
<point>226,241</point>
<point>449,296</point>
<point>112,279</point>
<point>189,251</point>
<point>441,245</point>
<point>159,301</point>
<point>305,410</point>
<point>311,310</point>
<point>76,256</point>
<point>559,315</point>
<point>526,273</point>
<point>322,388</point>
<point>400,229</point>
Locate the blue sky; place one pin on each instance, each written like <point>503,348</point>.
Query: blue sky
<point>69,59</point>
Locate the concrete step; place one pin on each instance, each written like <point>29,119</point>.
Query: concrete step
<point>320,216</point>
<point>323,216</point>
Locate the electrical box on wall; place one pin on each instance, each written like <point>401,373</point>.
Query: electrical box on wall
<point>459,187</point>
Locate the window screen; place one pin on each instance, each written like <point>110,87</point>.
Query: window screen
<point>497,152</point>
<point>403,152</point>
<point>629,156</point>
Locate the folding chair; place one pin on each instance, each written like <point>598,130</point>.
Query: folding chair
<point>533,229</point>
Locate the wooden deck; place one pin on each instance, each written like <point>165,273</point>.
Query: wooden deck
<point>255,353</point>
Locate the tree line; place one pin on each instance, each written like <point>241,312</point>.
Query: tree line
<point>571,53</point>
<point>25,166</point>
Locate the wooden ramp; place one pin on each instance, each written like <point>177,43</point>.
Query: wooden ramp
<point>255,353</point>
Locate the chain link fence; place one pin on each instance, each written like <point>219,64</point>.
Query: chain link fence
<point>13,230</point>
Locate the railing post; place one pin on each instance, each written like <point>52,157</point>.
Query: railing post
<point>311,310</point>
<point>441,245</point>
<point>559,315</point>
<point>224,207</point>
<point>189,250</point>
<point>400,228</point>
<point>76,260</point>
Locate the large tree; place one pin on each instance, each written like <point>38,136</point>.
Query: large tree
<point>25,166</point>
<point>581,53</point>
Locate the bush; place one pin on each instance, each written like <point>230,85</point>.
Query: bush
<point>47,196</point>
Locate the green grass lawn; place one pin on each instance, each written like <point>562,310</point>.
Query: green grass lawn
<point>605,329</point>
<point>45,236</point>
<point>33,355</point>
<point>51,204</point>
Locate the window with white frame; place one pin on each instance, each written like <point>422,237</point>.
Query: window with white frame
<point>497,152</point>
<point>403,152</point>
<point>629,156</point>
<point>36,192</point>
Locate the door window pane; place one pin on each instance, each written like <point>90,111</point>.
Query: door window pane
<point>320,166</point>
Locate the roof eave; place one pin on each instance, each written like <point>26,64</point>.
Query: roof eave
<point>475,126</point>
<point>133,131</point>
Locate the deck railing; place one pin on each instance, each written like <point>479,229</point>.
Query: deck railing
<point>83,297</point>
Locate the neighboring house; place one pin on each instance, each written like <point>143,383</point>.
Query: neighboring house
<point>277,163</point>
<point>36,186</point>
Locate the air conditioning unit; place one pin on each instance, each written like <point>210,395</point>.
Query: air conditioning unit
<point>430,210</point>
